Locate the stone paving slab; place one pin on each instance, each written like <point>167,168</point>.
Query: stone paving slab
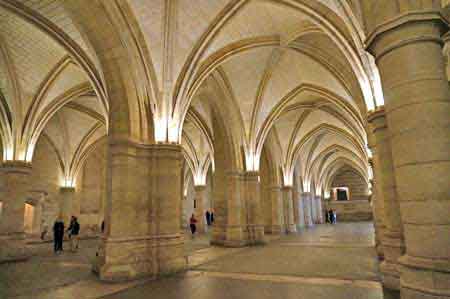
<point>312,264</point>
<point>345,263</point>
<point>206,286</point>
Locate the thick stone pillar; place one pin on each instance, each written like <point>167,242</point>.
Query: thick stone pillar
<point>289,209</point>
<point>66,201</point>
<point>306,198</point>
<point>417,102</point>
<point>234,210</point>
<point>295,207</point>
<point>142,217</point>
<point>276,197</point>
<point>200,201</point>
<point>378,216</point>
<point>319,211</point>
<point>37,218</point>
<point>301,212</point>
<point>393,243</point>
<point>15,175</point>
<point>252,197</point>
<point>166,193</point>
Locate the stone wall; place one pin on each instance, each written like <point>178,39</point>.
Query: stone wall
<point>358,189</point>
<point>91,191</point>
<point>350,211</point>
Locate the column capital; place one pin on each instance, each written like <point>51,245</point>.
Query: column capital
<point>396,32</point>
<point>199,188</point>
<point>16,167</point>
<point>274,187</point>
<point>67,189</point>
<point>287,188</point>
<point>251,173</point>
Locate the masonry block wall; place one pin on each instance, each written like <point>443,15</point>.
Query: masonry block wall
<point>357,208</point>
<point>91,190</point>
<point>358,189</point>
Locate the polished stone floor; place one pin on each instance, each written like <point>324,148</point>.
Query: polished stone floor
<point>323,262</point>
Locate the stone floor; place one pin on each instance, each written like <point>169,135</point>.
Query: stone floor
<point>323,262</point>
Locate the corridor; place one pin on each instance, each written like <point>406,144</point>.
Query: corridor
<point>322,262</point>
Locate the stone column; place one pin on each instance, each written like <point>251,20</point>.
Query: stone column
<point>306,198</point>
<point>37,218</point>
<point>142,216</point>
<point>319,211</point>
<point>295,207</point>
<point>378,215</point>
<point>15,175</point>
<point>166,192</point>
<point>200,199</point>
<point>393,243</point>
<point>255,221</point>
<point>289,208</point>
<point>277,209</point>
<point>234,210</point>
<point>66,201</point>
<point>417,102</point>
<point>301,212</point>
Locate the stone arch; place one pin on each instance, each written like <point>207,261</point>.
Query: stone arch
<point>321,15</point>
<point>131,101</point>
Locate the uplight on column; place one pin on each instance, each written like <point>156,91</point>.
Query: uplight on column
<point>252,161</point>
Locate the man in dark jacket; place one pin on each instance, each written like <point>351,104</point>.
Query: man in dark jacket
<point>208,217</point>
<point>74,230</point>
<point>58,235</point>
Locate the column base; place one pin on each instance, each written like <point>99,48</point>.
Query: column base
<point>273,229</point>
<point>424,278</point>
<point>393,248</point>
<point>291,228</point>
<point>236,237</point>
<point>13,248</point>
<point>256,235</point>
<point>390,275</point>
<point>122,259</point>
<point>234,243</point>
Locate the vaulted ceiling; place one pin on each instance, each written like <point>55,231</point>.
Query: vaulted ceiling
<point>291,75</point>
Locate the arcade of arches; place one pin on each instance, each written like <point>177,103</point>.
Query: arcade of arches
<point>141,113</point>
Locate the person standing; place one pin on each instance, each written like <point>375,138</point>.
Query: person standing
<point>74,230</point>
<point>58,235</point>
<point>192,224</point>
<point>212,216</point>
<point>208,217</point>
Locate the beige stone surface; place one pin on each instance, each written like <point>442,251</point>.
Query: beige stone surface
<point>122,108</point>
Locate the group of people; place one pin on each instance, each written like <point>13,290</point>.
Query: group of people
<point>209,215</point>
<point>58,234</point>
<point>330,216</point>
